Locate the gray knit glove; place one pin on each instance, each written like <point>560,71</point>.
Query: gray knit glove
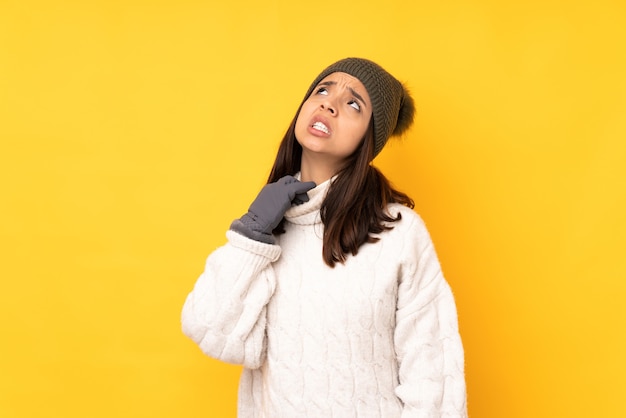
<point>270,206</point>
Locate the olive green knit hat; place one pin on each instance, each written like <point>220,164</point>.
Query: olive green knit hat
<point>392,105</point>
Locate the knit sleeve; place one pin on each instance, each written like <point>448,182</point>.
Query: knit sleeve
<point>427,339</point>
<point>225,313</point>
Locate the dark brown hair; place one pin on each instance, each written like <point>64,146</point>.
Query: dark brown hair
<point>357,199</point>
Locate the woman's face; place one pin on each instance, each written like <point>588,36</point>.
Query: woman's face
<point>334,118</point>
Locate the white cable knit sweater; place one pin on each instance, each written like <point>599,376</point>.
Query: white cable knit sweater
<point>374,337</point>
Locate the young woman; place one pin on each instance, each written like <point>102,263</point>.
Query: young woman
<point>328,291</point>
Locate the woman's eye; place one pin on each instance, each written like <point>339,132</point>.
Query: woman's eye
<point>322,90</point>
<point>354,104</point>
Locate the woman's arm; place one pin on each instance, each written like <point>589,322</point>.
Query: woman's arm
<point>427,339</point>
<point>225,312</point>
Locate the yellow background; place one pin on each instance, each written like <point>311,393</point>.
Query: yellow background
<point>133,132</point>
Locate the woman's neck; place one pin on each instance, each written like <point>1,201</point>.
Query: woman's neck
<point>317,170</point>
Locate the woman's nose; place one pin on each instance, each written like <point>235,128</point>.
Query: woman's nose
<point>328,105</point>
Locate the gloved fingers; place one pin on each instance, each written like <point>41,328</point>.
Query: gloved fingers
<point>297,191</point>
<point>302,186</point>
<point>286,180</point>
<point>300,199</point>
<point>308,184</point>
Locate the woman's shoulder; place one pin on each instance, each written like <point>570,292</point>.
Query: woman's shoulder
<point>408,216</point>
<point>409,224</point>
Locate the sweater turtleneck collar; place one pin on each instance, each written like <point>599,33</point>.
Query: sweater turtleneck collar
<point>308,213</point>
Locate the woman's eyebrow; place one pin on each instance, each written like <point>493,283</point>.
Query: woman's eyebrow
<point>327,83</point>
<point>358,96</point>
<point>354,93</point>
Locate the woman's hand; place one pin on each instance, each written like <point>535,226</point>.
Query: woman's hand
<point>269,207</point>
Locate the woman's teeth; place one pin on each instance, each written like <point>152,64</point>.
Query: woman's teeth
<point>321,127</point>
